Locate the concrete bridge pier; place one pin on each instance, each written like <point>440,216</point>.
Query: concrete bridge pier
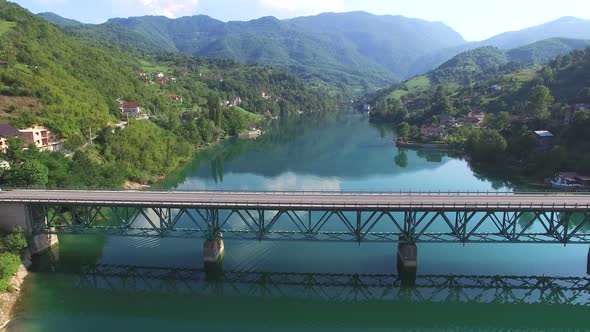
<point>213,253</point>
<point>407,263</point>
<point>15,215</point>
<point>588,262</point>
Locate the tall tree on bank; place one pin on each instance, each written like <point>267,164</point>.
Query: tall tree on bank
<point>540,99</point>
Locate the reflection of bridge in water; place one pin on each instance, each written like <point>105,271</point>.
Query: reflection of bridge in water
<point>338,287</point>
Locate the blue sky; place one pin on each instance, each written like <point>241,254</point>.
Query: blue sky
<point>474,19</point>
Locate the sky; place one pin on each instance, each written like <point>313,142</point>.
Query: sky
<point>473,19</point>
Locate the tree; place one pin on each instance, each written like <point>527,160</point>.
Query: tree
<point>487,145</point>
<point>28,173</point>
<point>402,131</point>
<point>442,102</point>
<point>540,99</point>
<point>501,121</point>
<point>401,159</point>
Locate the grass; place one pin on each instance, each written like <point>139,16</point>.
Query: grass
<point>250,116</point>
<point>397,94</point>
<point>418,83</point>
<point>5,26</point>
<point>151,67</point>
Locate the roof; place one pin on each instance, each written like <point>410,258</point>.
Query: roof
<point>129,104</point>
<point>6,130</point>
<point>543,133</point>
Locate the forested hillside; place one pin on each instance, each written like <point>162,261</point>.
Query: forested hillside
<point>356,52</point>
<point>538,44</point>
<point>72,86</point>
<point>493,116</point>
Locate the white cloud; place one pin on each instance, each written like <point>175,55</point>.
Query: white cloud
<point>169,8</point>
<point>303,7</point>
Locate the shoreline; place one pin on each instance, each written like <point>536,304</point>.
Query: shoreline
<point>416,145</point>
<point>9,299</point>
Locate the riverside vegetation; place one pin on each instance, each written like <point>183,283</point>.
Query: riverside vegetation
<point>517,98</point>
<point>75,84</point>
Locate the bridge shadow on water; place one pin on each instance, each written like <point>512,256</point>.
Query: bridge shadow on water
<point>335,287</point>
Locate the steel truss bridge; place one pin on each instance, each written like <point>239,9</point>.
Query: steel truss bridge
<point>338,287</point>
<point>312,216</point>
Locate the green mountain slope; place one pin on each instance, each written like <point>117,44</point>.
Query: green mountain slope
<point>546,50</point>
<point>355,51</point>
<point>59,20</point>
<point>71,86</point>
<point>471,65</point>
<point>565,27</point>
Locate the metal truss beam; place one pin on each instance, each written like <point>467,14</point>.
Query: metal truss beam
<point>414,226</point>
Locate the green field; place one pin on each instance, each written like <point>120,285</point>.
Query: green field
<point>5,26</point>
<point>418,83</point>
<point>250,116</point>
<point>151,67</point>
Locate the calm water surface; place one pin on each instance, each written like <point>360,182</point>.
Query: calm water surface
<point>111,283</point>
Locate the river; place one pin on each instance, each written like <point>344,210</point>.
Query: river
<point>93,283</point>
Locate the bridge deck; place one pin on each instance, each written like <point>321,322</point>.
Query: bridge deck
<point>303,201</point>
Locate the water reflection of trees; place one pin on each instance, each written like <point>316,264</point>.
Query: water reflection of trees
<point>573,220</point>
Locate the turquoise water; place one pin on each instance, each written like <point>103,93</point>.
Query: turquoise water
<point>112,283</point>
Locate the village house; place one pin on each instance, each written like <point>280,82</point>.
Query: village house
<point>233,101</point>
<point>160,75</point>
<point>570,180</point>
<point>474,119</point>
<point>448,120</point>
<point>496,87</point>
<point>176,98</point>
<point>411,103</point>
<point>37,135</point>
<point>3,64</point>
<point>7,131</point>
<point>130,109</point>
<point>265,95</point>
<point>4,165</point>
<point>544,140</point>
<point>432,131</point>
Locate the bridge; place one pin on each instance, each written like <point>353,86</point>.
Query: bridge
<point>403,218</point>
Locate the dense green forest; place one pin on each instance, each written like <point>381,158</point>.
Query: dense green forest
<point>517,100</point>
<point>350,52</point>
<point>71,86</point>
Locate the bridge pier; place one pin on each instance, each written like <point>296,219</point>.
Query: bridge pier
<point>213,253</point>
<point>15,215</point>
<point>588,262</point>
<point>407,263</point>
<point>42,243</point>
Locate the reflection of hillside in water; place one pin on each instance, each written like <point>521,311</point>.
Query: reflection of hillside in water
<point>333,145</point>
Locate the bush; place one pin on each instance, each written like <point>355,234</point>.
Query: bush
<point>9,264</point>
<point>13,243</point>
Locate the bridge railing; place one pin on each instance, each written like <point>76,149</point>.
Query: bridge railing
<point>578,191</point>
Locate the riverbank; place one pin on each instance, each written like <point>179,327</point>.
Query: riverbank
<point>416,145</point>
<point>8,299</point>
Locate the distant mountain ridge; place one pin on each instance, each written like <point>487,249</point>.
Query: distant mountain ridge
<point>355,51</point>
<point>358,50</point>
<point>562,28</point>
